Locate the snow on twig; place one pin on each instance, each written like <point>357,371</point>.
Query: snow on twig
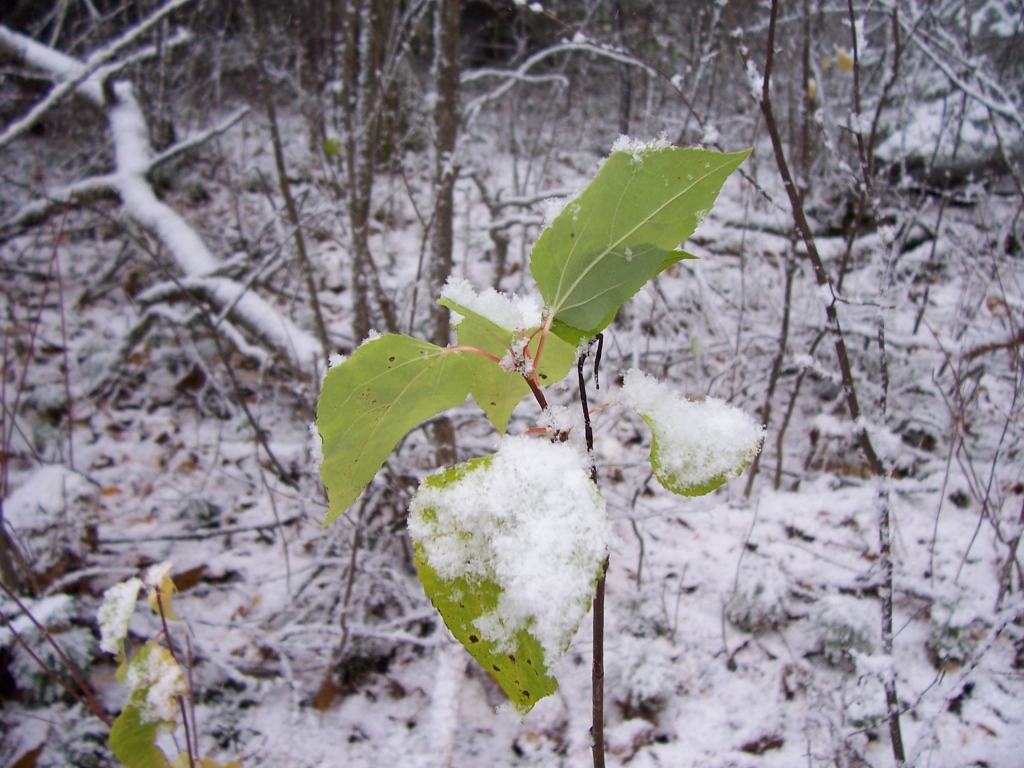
<point>520,74</point>
<point>247,308</point>
<point>134,159</point>
<point>1002,105</point>
<point>198,140</point>
<point>1000,622</point>
<point>105,185</point>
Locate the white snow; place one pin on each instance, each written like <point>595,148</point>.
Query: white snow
<point>754,81</point>
<point>531,521</point>
<point>514,313</point>
<point>155,680</point>
<point>155,574</point>
<point>711,134</point>
<point>316,445</point>
<point>637,148</point>
<point>43,498</point>
<point>115,613</point>
<point>693,442</point>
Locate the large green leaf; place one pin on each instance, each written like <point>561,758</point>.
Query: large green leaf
<point>373,399</point>
<point>133,742</point>
<point>623,229</point>
<point>495,389</point>
<point>509,549</point>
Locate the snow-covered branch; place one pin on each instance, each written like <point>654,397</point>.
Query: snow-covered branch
<point>247,308</point>
<point>99,187</point>
<point>180,148</point>
<point>521,74</point>
<point>76,74</point>
<point>129,182</point>
<point>999,101</point>
<point>76,193</point>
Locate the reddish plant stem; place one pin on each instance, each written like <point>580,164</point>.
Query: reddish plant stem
<point>86,697</point>
<point>181,699</point>
<point>475,351</point>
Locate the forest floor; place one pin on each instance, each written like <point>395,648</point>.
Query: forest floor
<point>740,632</point>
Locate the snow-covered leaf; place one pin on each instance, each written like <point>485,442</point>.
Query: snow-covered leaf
<point>115,613</point>
<point>154,681</point>
<point>509,548</point>
<point>695,446</point>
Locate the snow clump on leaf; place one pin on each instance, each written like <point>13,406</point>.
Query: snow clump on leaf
<point>514,313</point>
<point>528,519</point>
<point>115,613</point>
<point>155,681</point>
<point>695,446</point>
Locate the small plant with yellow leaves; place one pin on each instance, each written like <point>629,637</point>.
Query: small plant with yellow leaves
<point>157,687</point>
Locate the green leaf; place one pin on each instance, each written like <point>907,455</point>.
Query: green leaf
<point>495,389</point>
<point>522,673</point>
<point>368,403</point>
<point>623,230</point>
<point>134,742</point>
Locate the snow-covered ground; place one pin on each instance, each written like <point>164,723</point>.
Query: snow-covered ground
<point>741,631</point>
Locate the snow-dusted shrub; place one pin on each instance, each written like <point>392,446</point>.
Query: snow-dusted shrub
<point>55,613</point>
<point>842,630</point>
<point>759,602</point>
<point>955,634</point>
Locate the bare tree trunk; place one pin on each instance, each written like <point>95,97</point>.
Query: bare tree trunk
<point>260,28</point>
<point>625,81</point>
<point>446,127</point>
<point>361,118</point>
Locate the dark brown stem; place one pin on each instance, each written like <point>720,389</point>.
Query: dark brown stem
<point>328,690</point>
<point>282,176</point>
<point>64,342</point>
<point>597,670</point>
<point>773,377</point>
<point>804,228</point>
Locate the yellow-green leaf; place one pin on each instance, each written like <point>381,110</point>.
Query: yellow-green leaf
<point>133,742</point>
<point>521,673</point>
<point>372,400</point>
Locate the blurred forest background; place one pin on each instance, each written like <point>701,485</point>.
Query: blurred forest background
<point>203,201</point>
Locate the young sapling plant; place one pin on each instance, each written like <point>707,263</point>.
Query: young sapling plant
<point>156,681</point>
<point>512,548</point>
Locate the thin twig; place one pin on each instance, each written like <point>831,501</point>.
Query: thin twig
<point>86,697</point>
<point>597,669</point>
